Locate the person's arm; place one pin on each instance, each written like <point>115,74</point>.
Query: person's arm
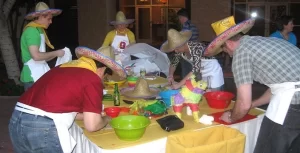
<point>243,102</point>
<point>241,106</point>
<point>94,122</point>
<point>172,69</point>
<point>182,82</point>
<point>33,40</point>
<point>173,65</point>
<point>264,99</point>
<point>109,38</point>
<point>242,69</point>
<point>79,116</point>
<point>40,56</point>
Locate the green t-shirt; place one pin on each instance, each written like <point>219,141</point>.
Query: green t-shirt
<point>30,37</point>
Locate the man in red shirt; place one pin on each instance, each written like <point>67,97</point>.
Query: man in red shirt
<point>45,112</point>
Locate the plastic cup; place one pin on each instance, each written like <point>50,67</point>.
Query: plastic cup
<point>131,81</point>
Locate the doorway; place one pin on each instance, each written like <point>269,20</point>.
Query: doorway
<point>153,18</point>
<point>143,21</point>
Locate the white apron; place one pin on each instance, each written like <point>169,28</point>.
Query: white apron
<point>38,68</point>
<point>119,44</point>
<point>62,121</point>
<point>282,95</point>
<point>212,73</point>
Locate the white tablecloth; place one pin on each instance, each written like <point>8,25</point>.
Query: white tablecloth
<point>249,128</point>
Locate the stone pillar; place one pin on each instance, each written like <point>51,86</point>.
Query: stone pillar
<point>205,12</point>
<point>93,21</point>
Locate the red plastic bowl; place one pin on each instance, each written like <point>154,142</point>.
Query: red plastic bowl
<point>218,99</point>
<point>112,111</point>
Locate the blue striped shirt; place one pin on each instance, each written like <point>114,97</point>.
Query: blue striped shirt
<point>189,26</point>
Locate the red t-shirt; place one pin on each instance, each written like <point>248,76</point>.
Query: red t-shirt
<point>66,89</point>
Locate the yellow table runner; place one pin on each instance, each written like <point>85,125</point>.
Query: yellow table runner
<point>107,139</point>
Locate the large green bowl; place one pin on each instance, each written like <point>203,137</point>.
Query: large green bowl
<point>130,127</point>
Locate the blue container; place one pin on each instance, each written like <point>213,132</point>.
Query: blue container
<point>166,96</point>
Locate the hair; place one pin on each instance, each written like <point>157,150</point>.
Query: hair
<point>107,70</point>
<point>237,37</point>
<point>183,12</point>
<point>282,21</point>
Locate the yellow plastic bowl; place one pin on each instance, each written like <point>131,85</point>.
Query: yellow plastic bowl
<point>112,83</point>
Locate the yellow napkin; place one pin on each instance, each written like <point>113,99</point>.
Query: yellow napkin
<point>82,62</point>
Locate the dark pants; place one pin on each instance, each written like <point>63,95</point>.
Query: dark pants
<point>276,138</point>
<point>186,67</point>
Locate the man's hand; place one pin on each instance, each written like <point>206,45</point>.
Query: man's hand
<point>60,53</point>
<point>171,80</point>
<point>175,86</point>
<point>226,117</point>
<point>106,119</point>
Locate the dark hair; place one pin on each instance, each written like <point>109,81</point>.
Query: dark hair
<point>282,21</point>
<point>237,37</point>
<point>183,12</point>
<point>99,65</point>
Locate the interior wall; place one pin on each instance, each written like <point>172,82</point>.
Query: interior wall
<point>93,21</point>
<point>205,12</point>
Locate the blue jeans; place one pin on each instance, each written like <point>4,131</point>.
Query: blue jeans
<point>27,85</point>
<point>33,134</point>
<point>276,138</point>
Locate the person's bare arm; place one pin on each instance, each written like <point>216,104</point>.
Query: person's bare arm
<point>182,82</point>
<point>94,122</point>
<point>264,99</point>
<point>40,56</point>
<point>171,74</point>
<point>242,104</point>
<point>79,116</point>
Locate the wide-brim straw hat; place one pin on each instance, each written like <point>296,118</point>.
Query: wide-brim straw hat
<point>225,29</point>
<point>42,8</point>
<point>121,19</point>
<point>104,55</point>
<point>141,90</point>
<point>176,39</point>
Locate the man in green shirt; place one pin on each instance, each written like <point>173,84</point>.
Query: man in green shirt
<point>33,44</point>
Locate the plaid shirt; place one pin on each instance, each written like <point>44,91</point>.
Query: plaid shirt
<point>196,50</point>
<point>266,60</point>
<point>189,26</point>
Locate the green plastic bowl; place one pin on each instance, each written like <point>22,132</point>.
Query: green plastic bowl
<point>129,127</point>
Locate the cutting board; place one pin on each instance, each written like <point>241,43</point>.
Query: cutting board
<point>219,114</point>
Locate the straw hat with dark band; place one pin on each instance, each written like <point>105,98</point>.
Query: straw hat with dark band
<point>176,39</point>
<point>225,29</point>
<point>42,8</point>
<point>121,19</point>
<point>104,55</point>
<point>141,90</point>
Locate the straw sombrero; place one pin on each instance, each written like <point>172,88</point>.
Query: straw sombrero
<point>141,90</point>
<point>104,55</point>
<point>121,19</point>
<point>176,39</point>
<point>42,8</point>
<point>225,29</point>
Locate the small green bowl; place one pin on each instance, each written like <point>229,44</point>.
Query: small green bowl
<point>132,78</point>
<point>130,127</point>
